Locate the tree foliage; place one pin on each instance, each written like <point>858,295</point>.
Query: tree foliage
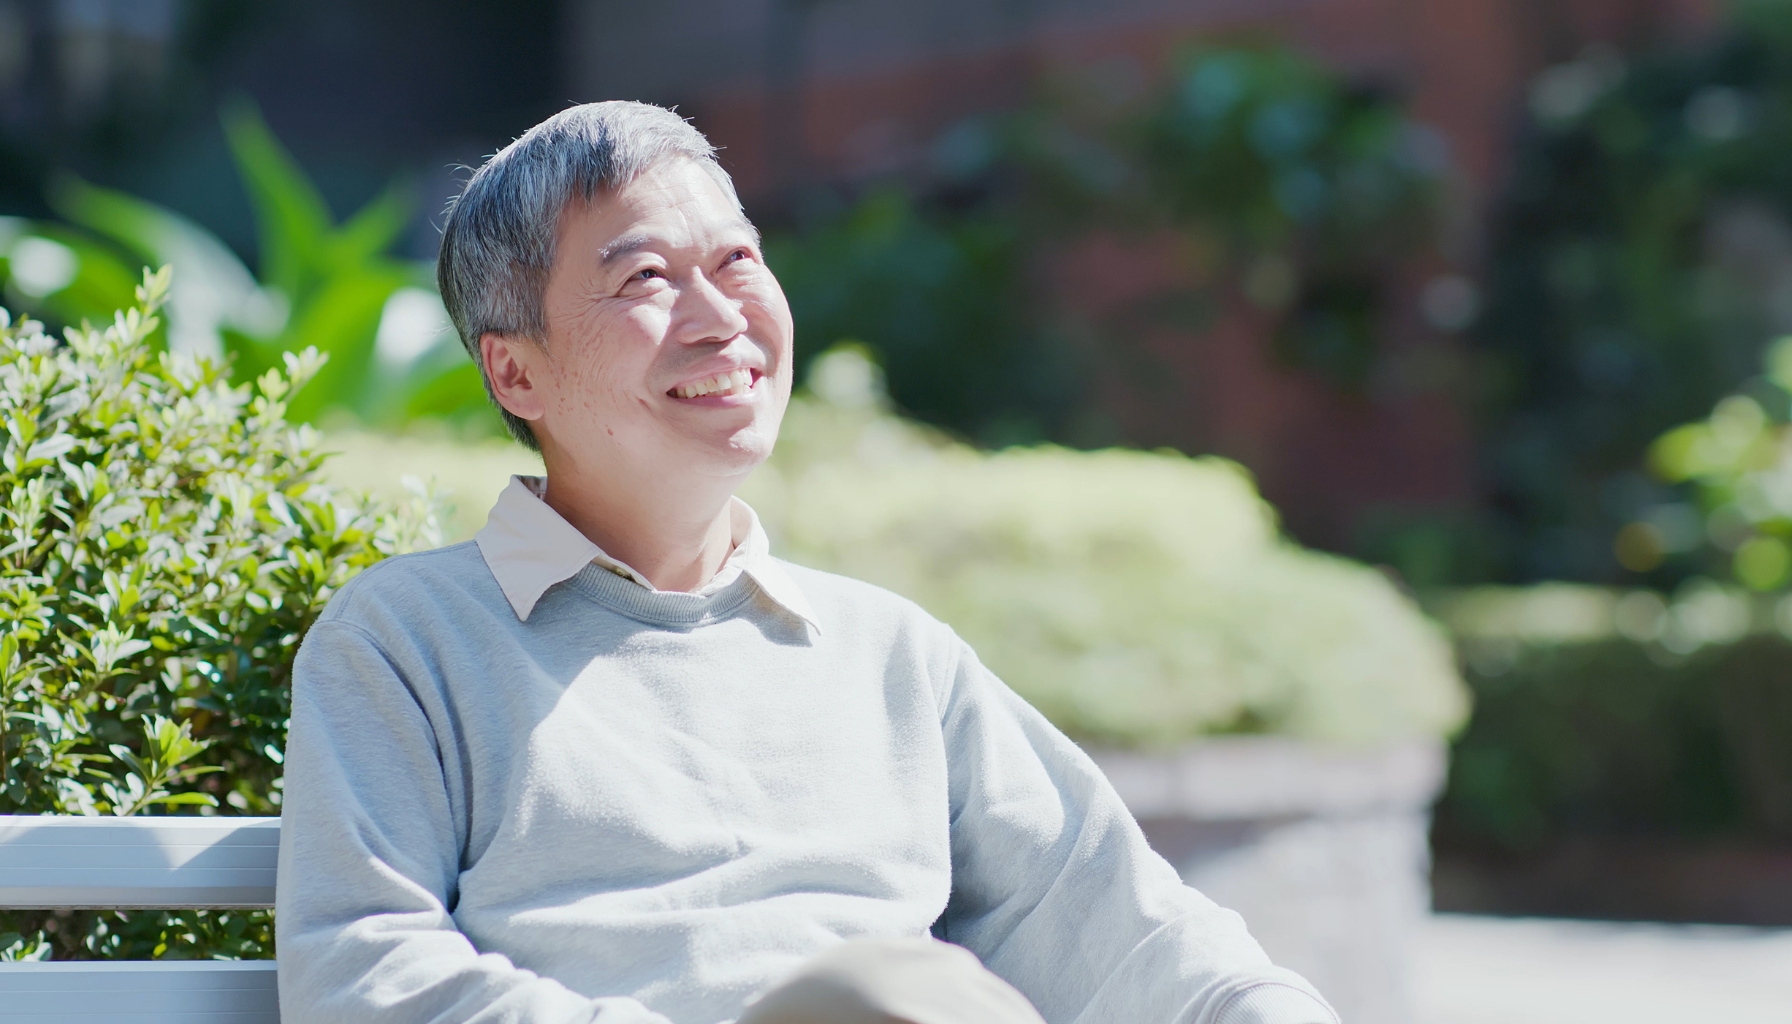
<point>1280,185</point>
<point>1642,262</point>
<point>1299,189</point>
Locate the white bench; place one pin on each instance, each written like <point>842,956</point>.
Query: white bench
<point>138,863</point>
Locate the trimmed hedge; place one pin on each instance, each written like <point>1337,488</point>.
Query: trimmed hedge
<point>1617,739</point>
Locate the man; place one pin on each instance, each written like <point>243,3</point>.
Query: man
<point>612,762</point>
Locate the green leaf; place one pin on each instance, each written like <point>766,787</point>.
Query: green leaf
<point>342,322</point>
<point>292,218</point>
<point>455,391</point>
<point>373,229</point>
<point>103,281</point>
<point>187,800</point>
<point>157,235</point>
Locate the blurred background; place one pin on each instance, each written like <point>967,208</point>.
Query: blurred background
<point>1492,296</point>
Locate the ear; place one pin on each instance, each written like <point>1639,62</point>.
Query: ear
<point>515,367</point>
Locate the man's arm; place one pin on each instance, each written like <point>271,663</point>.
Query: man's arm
<point>1055,888</point>
<point>370,859</point>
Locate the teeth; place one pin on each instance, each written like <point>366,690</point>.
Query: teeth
<point>733,382</point>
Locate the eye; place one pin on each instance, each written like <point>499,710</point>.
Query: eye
<point>647,274</point>
<point>737,255</point>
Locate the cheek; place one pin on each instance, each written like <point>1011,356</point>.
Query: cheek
<point>767,308</point>
<point>612,361</point>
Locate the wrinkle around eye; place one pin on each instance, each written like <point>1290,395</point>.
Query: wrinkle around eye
<point>747,264</point>
<point>635,285</point>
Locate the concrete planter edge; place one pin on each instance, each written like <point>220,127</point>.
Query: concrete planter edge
<point>1322,849</point>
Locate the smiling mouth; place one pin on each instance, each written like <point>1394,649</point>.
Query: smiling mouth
<point>738,381</point>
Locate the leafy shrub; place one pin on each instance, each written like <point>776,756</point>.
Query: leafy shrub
<point>1610,738</point>
<point>165,542</point>
<point>1738,465</point>
<point>1627,754</point>
<point>1611,777</point>
<point>1135,598</point>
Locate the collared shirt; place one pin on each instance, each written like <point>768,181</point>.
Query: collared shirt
<point>529,547</point>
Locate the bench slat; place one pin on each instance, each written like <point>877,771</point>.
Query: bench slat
<point>218,992</point>
<point>172,862</point>
<point>108,1017</point>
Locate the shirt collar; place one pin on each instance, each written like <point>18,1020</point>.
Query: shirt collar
<point>528,547</point>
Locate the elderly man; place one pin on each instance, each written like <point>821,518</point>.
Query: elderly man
<point>614,762</point>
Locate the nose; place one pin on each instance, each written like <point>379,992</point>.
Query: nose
<point>704,312</point>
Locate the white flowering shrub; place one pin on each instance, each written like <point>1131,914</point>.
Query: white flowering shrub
<point>165,542</point>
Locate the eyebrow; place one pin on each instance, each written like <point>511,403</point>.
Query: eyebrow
<point>622,247</point>
<point>635,243</point>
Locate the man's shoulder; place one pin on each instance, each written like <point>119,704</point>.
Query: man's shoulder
<point>421,586</point>
<point>853,602</point>
<point>822,586</point>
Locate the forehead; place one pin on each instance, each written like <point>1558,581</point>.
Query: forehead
<point>675,202</point>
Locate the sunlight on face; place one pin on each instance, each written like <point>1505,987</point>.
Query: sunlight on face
<point>669,340</point>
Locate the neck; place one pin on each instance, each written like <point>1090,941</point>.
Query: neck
<point>676,536</point>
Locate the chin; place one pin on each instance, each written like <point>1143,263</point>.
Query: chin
<point>731,454</point>
<point>745,454</point>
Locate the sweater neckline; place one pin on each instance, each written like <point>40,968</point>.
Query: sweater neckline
<point>671,608</point>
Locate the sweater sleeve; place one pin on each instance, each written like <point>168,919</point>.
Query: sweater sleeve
<point>369,863</point>
<point>1056,890</point>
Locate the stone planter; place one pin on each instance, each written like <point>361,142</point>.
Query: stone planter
<point>1322,850</point>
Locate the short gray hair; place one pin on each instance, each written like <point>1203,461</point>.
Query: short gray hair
<point>499,238</point>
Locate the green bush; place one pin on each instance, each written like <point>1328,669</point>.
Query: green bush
<point>1737,464</point>
<point>1610,738</point>
<point>165,542</point>
<point>1619,714</point>
<point>1139,599</point>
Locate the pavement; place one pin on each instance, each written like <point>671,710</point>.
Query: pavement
<point>1484,970</point>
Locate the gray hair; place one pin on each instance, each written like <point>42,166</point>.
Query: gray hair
<point>499,239</point>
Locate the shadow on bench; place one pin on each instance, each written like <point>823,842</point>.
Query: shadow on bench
<point>138,864</point>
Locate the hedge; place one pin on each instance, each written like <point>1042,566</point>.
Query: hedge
<point>1619,739</point>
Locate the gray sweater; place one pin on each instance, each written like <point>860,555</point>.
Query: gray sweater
<point>638,806</point>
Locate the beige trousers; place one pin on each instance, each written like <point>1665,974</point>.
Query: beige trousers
<point>892,981</point>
